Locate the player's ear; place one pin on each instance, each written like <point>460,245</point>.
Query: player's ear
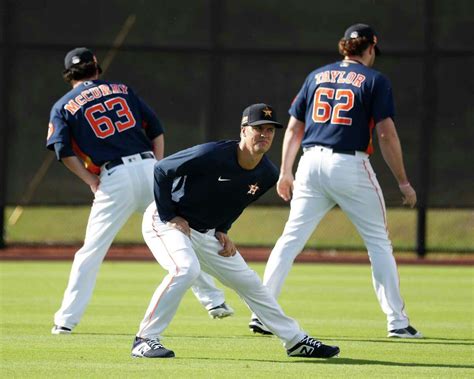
<point>372,49</point>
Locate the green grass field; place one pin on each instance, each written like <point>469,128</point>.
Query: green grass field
<point>447,230</point>
<point>333,302</point>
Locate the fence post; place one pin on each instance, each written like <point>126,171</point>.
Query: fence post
<point>421,232</point>
<point>6,18</point>
<point>428,123</point>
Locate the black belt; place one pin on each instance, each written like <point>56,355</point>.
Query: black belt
<point>337,151</point>
<point>117,162</point>
<point>201,230</point>
<point>348,152</point>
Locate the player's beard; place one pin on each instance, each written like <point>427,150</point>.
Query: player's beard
<point>262,146</point>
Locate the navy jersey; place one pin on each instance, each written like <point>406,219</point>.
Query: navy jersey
<point>206,185</point>
<point>101,121</point>
<point>340,104</point>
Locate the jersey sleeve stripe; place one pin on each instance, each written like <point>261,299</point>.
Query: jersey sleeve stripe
<point>370,146</point>
<point>89,165</point>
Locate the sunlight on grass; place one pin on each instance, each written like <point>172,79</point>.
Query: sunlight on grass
<point>335,303</point>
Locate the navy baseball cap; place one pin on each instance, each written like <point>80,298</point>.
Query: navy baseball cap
<point>362,30</point>
<point>259,114</point>
<point>77,56</point>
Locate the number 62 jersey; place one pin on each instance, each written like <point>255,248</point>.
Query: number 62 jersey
<point>340,105</point>
<point>100,121</point>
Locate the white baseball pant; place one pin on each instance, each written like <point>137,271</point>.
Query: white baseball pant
<point>124,189</point>
<point>324,179</point>
<point>184,257</point>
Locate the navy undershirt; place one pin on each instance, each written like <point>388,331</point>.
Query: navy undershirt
<point>206,185</point>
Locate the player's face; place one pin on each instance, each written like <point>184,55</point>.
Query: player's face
<point>258,139</point>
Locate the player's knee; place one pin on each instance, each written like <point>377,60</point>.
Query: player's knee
<point>190,272</point>
<point>250,281</point>
<point>380,247</point>
<point>288,248</point>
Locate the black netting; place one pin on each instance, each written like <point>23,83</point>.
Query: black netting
<point>199,63</point>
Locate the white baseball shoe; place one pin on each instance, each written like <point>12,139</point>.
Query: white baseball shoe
<point>60,330</point>
<point>408,332</point>
<point>221,311</point>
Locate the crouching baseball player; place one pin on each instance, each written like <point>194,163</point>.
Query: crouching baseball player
<point>199,193</point>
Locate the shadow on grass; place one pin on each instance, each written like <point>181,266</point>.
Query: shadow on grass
<point>333,361</point>
<point>335,340</point>
<point>423,341</point>
<point>353,361</point>
<point>336,361</point>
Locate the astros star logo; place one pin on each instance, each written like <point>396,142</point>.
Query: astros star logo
<point>253,189</point>
<point>267,112</point>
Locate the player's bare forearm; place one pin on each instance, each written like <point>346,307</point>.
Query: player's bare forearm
<point>159,147</point>
<point>291,144</point>
<point>77,168</point>
<point>391,149</point>
<point>392,153</point>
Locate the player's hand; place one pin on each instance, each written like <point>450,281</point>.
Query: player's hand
<point>94,183</point>
<point>229,248</point>
<point>409,194</point>
<point>285,186</point>
<point>181,224</point>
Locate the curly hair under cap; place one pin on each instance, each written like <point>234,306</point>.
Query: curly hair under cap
<point>353,46</point>
<point>81,71</point>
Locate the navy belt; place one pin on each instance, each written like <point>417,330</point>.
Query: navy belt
<point>337,151</point>
<point>117,162</point>
<point>202,230</point>
<point>348,152</point>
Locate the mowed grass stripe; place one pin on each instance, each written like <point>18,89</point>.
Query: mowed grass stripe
<point>334,303</point>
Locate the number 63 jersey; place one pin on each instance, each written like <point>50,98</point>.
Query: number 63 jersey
<point>101,121</point>
<point>340,105</point>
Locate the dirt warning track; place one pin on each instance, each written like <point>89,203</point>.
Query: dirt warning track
<point>251,254</point>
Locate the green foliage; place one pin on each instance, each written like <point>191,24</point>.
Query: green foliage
<point>334,303</point>
<point>258,226</point>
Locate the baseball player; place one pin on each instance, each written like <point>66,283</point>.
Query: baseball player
<point>109,138</point>
<point>199,193</point>
<point>333,117</point>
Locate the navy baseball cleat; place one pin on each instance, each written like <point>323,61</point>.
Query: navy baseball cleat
<point>60,330</point>
<point>221,311</point>
<point>408,332</point>
<point>257,327</point>
<point>308,347</point>
<point>150,348</point>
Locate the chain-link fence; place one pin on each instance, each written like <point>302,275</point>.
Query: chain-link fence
<point>199,63</point>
